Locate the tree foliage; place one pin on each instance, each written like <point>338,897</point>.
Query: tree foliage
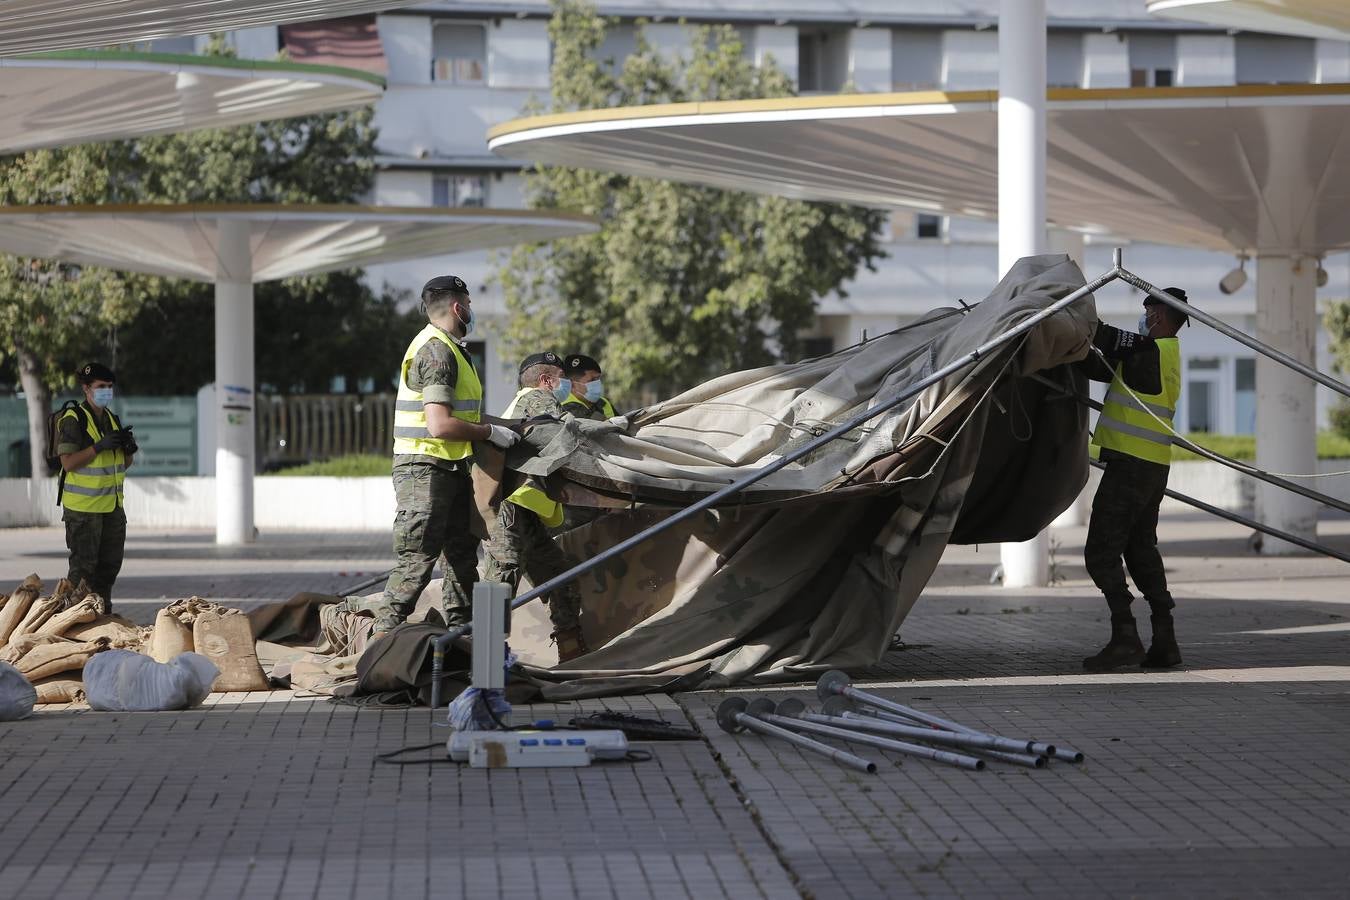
<point>1336,320</point>
<point>158,331</point>
<point>681,282</point>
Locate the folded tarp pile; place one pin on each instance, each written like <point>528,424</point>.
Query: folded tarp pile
<point>815,566</point>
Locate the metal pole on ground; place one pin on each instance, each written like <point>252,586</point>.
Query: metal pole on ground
<point>235,426</point>
<point>733,718</point>
<point>1021,198</point>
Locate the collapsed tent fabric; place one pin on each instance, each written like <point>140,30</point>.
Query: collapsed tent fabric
<point>815,566</point>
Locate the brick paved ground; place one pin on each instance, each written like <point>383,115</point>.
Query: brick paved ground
<point>1226,779</point>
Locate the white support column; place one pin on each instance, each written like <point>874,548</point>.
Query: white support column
<point>1286,402</point>
<point>1021,197</point>
<point>1078,513</point>
<point>235,427</point>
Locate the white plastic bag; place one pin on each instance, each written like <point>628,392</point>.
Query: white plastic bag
<point>122,681</point>
<point>17,696</point>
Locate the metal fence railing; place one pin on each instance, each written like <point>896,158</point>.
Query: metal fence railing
<point>299,428</point>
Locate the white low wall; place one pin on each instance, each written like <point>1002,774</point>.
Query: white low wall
<point>367,504</point>
<point>310,503</point>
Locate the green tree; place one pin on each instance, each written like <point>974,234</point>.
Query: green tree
<point>1336,320</point>
<point>52,315</point>
<point>681,282</point>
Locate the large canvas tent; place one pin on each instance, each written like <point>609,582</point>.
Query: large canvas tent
<point>817,565</point>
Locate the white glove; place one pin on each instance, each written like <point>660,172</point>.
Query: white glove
<point>502,437</point>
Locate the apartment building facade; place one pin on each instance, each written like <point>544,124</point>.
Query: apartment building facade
<point>454,69</point>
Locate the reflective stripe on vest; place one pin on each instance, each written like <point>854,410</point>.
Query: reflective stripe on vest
<point>97,487</point>
<point>527,496</point>
<point>1129,426</point>
<point>410,415</point>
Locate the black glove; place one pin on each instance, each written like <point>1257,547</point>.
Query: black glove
<point>129,444</point>
<point>110,441</point>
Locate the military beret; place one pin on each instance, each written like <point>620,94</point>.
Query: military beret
<point>443,283</point>
<point>1177,292</point>
<point>91,372</point>
<point>580,362</point>
<point>541,359</point>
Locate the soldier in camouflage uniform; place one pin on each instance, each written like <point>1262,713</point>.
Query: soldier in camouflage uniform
<point>588,400</point>
<point>520,536</point>
<point>1134,437</point>
<point>437,417</point>
<point>95,453</point>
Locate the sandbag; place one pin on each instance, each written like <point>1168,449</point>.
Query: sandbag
<point>18,605</point>
<point>17,696</point>
<point>124,633</point>
<point>53,659</point>
<point>122,681</point>
<point>228,642</point>
<point>42,609</point>
<point>15,649</point>
<point>85,610</point>
<point>170,637</point>
<point>187,611</point>
<point>60,689</point>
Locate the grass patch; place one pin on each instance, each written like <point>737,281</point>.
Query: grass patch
<point>356,465</point>
<point>1330,445</point>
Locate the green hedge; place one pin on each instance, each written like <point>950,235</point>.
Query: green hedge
<point>1330,445</point>
<point>356,465</point>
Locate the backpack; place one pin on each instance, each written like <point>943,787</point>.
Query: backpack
<point>54,439</point>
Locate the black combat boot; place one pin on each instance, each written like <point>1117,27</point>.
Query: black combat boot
<point>1124,648</point>
<point>1164,652</point>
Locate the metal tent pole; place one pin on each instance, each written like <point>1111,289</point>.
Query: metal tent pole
<point>443,642</point>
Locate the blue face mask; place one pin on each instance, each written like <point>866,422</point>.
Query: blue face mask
<point>103,396</point>
<point>594,391</point>
<point>563,390</point>
<point>1143,324</point>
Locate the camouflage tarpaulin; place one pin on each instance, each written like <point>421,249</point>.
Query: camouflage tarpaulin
<point>816,566</point>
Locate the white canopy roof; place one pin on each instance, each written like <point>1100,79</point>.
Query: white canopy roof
<point>1309,18</point>
<point>182,241</point>
<point>1243,168</point>
<point>30,26</point>
<point>83,96</point>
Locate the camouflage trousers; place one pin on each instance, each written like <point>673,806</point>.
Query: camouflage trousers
<point>432,521</point>
<point>97,542</point>
<point>520,541</point>
<point>1124,524</point>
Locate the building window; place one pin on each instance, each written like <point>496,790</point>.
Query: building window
<point>816,347</point>
<point>1064,59</point>
<point>927,226</point>
<point>459,190</point>
<point>916,59</point>
<point>1244,396</point>
<point>822,60</point>
<point>458,54</point>
<point>1268,59</point>
<point>1153,60</point>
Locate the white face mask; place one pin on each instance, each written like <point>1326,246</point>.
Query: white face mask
<point>1143,324</point>
<point>467,323</point>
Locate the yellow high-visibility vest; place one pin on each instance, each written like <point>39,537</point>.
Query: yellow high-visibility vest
<point>1128,427</point>
<point>97,487</point>
<point>527,496</point>
<point>410,416</point>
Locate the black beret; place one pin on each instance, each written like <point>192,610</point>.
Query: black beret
<point>443,283</point>
<point>1177,292</point>
<point>91,372</point>
<point>541,359</point>
<point>580,362</point>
